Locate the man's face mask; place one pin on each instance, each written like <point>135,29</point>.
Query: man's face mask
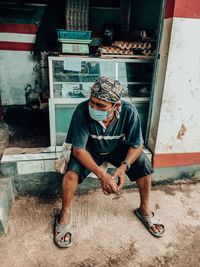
<point>99,115</point>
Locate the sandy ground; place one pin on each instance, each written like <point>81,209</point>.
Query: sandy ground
<point>105,230</point>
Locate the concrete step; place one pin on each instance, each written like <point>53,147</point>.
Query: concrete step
<point>34,173</point>
<point>6,197</point>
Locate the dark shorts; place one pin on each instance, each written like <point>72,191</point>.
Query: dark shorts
<point>140,168</point>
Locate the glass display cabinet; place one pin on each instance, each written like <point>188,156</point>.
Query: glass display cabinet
<point>71,80</point>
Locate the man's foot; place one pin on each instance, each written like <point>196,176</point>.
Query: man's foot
<point>155,228</point>
<point>64,220</point>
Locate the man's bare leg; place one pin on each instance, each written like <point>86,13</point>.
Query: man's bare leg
<point>69,186</point>
<point>144,185</point>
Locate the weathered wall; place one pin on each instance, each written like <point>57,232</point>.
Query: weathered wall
<point>18,69</point>
<point>178,128</point>
<point>174,134</point>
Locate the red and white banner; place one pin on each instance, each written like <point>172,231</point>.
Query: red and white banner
<point>17,37</point>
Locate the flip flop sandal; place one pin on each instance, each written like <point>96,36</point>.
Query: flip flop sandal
<point>148,221</point>
<point>62,230</point>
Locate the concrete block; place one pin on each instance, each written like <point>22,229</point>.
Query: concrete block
<point>38,184</point>
<point>7,169</point>
<point>28,167</point>
<point>6,197</point>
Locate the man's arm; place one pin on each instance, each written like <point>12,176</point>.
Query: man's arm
<point>131,156</point>
<point>133,153</point>
<point>83,156</point>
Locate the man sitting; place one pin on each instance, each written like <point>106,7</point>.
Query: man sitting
<point>105,128</point>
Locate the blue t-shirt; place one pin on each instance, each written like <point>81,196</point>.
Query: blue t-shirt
<point>85,132</point>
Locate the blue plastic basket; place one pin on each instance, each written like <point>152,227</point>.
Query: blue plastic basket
<point>82,35</point>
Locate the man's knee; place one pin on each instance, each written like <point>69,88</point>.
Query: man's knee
<point>71,176</point>
<point>144,182</point>
<point>145,178</point>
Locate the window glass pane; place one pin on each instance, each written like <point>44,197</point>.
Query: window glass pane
<point>75,84</point>
<point>63,115</point>
<point>135,72</point>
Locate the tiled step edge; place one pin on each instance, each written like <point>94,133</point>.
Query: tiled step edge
<point>6,198</point>
<point>39,163</point>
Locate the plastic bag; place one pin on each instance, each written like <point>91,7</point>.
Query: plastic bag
<point>61,163</point>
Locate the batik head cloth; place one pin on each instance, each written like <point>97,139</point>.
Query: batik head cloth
<point>107,89</point>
